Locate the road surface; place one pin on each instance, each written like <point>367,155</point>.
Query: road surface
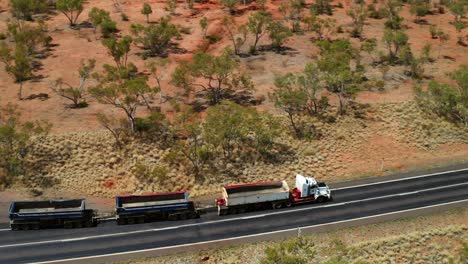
<point>358,202</point>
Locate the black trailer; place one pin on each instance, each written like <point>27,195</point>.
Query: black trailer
<point>133,209</point>
<point>25,215</point>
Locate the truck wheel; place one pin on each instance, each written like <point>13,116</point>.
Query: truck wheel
<point>321,199</point>
<point>25,227</point>
<point>288,204</point>
<point>183,216</point>
<point>68,225</point>
<point>194,215</point>
<point>79,224</point>
<point>89,223</point>
<point>131,221</point>
<point>222,212</point>
<point>121,221</point>
<point>141,220</point>
<point>14,227</point>
<point>35,226</point>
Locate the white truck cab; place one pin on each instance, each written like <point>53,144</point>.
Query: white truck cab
<point>309,187</point>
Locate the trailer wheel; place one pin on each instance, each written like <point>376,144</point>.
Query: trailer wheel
<point>89,223</point>
<point>14,227</point>
<point>141,220</point>
<point>172,217</point>
<point>183,216</point>
<point>288,204</point>
<point>122,221</point>
<point>78,224</point>
<point>25,227</point>
<point>131,221</point>
<point>277,205</point>
<point>68,225</point>
<point>35,226</point>
<point>194,215</point>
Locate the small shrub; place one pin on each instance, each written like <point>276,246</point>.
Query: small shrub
<point>376,13</point>
<point>146,174</point>
<point>108,27</point>
<point>214,38</point>
<point>2,36</point>
<point>124,17</point>
<point>339,29</point>
<point>433,31</point>
<point>185,30</point>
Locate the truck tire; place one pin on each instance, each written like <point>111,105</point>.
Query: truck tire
<point>321,199</point>
<point>172,217</point>
<point>131,220</point>
<point>183,216</point>
<point>277,205</point>
<point>68,225</point>
<point>141,220</point>
<point>14,227</point>
<point>122,221</point>
<point>194,215</point>
<point>78,224</point>
<point>89,223</point>
<point>25,227</point>
<point>222,212</point>
<point>288,204</point>
<point>35,226</point>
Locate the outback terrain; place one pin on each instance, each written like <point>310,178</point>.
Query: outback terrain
<point>437,238</point>
<point>383,127</point>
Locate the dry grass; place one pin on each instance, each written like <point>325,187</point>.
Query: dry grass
<point>436,238</point>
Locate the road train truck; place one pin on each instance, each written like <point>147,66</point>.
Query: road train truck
<point>240,198</point>
<point>25,215</point>
<point>131,209</point>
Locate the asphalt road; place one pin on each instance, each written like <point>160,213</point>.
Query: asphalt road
<point>349,203</point>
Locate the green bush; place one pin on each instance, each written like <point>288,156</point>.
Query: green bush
<point>124,17</point>
<point>108,27</point>
<point>445,100</point>
<point>294,251</point>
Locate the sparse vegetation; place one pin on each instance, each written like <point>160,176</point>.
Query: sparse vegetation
<point>100,18</point>
<point>449,101</point>
<point>401,240</point>
<point>146,10</point>
<point>359,15</point>
<point>155,38</point>
<point>17,64</point>
<point>71,9</point>
<point>220,76</point>
<point>237,34</point>
<point>15,143</point>
<point>257,25</point>
<point>76,94</point>
<point>25,9</point>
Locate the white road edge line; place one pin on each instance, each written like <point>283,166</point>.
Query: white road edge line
<point>7,229</point>
<point>396,180</point>
<point>217,221</point>
<point>247,236</point>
